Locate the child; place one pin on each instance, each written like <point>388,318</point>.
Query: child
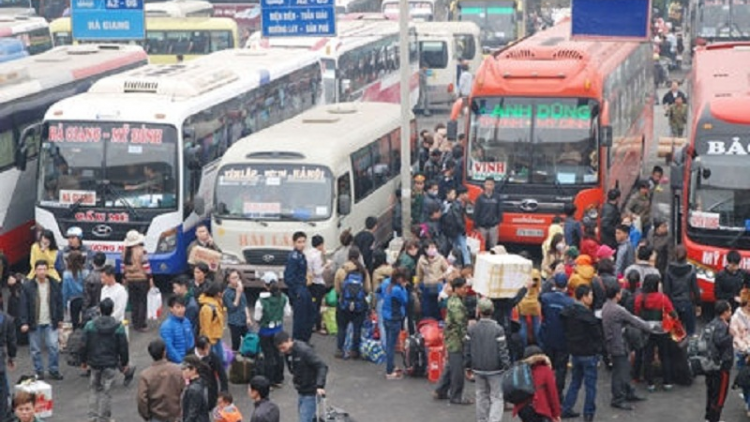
<point>225,410</point>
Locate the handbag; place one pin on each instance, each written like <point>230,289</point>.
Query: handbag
<point>673,326</point>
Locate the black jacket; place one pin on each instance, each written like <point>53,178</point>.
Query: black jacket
<point>308,370</point>
<point>488,211</point>
<point>452,223</point>
<point>213,374</point>
<point>365,241</point>
<point>723,342</point>
<point>265,411</point>
<point>610,219</point>
<point>29,309</point>
<point>599,286</point>
<point>195,406</point>
<point>92,289</point>
<point>583,333</point>
<point>681,283</point>
<point>7,339</point>
<point>105,344</point>
<point>727,285</point>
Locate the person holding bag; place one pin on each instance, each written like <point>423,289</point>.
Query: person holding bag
<point>655,307</point>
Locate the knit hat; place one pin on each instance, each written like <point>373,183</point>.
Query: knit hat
<point>561,280</point>
<point>485,306</point>
<point>604,252</point>
<point>532,351</point>
<point>572,252</point>
<point>583,260</point>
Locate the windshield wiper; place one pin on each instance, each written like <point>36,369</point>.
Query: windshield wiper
<point>108,187</point>
<point>73,208</point>
<point>562,190</point>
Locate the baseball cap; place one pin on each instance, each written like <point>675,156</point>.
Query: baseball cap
<point>485,305</point>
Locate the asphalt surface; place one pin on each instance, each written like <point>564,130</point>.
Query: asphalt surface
<point>361,389</point>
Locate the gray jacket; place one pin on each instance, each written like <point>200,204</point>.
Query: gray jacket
<point>614,319</point>
<point>486,350</point>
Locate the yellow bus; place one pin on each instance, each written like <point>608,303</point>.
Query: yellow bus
<point>170,40</point>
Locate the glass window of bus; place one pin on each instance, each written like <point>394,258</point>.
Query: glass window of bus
<point>465,46</point>
<point>540,141</point>
<point>395,138</point>
<point>62,38</point>
<point>362,167</point>
<point>434,54</point>
<point>40,40</point>
<point>32,140</point>
<point>221,40</point>
<point>7,149</point>
<point>293,192</point>
<point>381,161</point>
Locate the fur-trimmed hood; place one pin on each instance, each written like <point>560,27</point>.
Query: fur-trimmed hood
<point>538,360</point>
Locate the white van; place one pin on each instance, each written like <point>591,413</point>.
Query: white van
<point>443,46</point>
<point>321,172</point>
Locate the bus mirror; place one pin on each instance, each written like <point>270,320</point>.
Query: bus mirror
<point>706,173</point>
<point>676,171</point>
<point>199,205</point>
<point>452,128</point>
<point>344,206</point>
<point>20,158</point>
<point>606,136</point>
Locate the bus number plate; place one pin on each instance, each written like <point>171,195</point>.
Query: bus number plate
<point>530,233</point>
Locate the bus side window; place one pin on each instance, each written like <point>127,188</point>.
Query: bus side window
<point>362,166</point>
<point>466,48</point>
<point>381,152</point>
<point>7,152</point>
<point>396,152</point>
<point>344,201</point>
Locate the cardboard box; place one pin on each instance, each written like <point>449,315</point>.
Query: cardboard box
<point>501,276</point>
<point>668,145</point>
<point>209,256</point>
<point>43,391</point>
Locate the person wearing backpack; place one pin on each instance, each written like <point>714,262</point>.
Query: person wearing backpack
<point>545,405</point>
<point>211,317</point>
<point>453,222</point>
<point>739,326</point>
<point>717,381</point>
<point>352,284</point>
<point>271,308</point>
<point>487,356</point>
<point>681,286</point>
<point>552,333</point>
<point>394,298</point>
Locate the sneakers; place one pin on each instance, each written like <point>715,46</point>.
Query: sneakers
<point>40,376</point>
<point>668,387</point>
<point>129,374</point>
<point>55,376</point>
<point>394,376</point>
<point>569,414</point>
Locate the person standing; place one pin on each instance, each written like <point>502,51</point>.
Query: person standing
<point>365,241</point>
<point>136,271</point>
<point>181,288</point>
<point>394,298</point>
<point>352,284</point>
<point>739,327</point>
<point>7,359</point>
<point>552,332</point>
<point>639,205</point>
<point>572,228</point>
<point>660,242</point>
<point>104,350</point>
<point>41,314</point>
<point>487,356</point>
<point>625,255</point>
<point>730,280</point>
<point>681,286</point>
<point>212,318</point>
<point>431,269</point>
<point>44,249</point>
<point>717,382</point>
<point>201,278</point>
<point>465,81</point>
<point>271,308</point>
<point>195,407</point>
<point>264,410</point>
<point>677,114</point>
<point>212,371</point>
<point>309,373</point>
<point>92,284</point>
<point>453,224</point>
<point>73,278</point>
<point>610,218</point>
<point>653,306</point>
<point>295,278</point>
<point>642,263</point>
<point>235,302</point>
<point>671,96</point>
<point>318,266</point>
<point>451,384</point>
<point>160,387</point>
<point>115,291</point>
<point>585,343</point>
<point>75,244</point>
<point>488,214</point>
<point>176,330</point>
<point>203,239</point>
<point>423,102</point>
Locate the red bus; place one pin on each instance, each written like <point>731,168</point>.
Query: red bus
<point>710,177</point>
<point>553,121</point>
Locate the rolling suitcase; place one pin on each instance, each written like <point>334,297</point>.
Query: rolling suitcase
<point>325,413</point>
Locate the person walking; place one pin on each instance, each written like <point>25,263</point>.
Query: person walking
<point>115,291</point>
<point>136,271</point>
<point>271,308</point>
<point>681,286</point>
<point>8,349</point>
<point>352,284</point>
<point>160,387</point>
<point>639,205</point>
<point>212,371</point>
<point>451,384</point>
<point>212,317</point>
<point>585,343</point>
<point>235,302</point>
<point>264,410</point>
<point>104,350</point>
<point>295,278</point>
<point>653,306</point>
<point>487,356</point>
<point>394,298</point>
<point>309,373</point>
<point>717,382</point>
<point>488,214</point>
<point>176,330</point>
<point>319,266</point>
<point>195,407</point>
<point>545,404</point>
<point>41,314</point>
<point>552,332</point>
<point>625,254</point>
<point>92,284</point>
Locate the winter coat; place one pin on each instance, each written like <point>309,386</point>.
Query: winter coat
<point>340,277</point>
<point>610,219</point>
<point>160,387</point>
<point>236,315</point>
<point>552,331</point>
<point>430,271</point>
<point>308,369</point>
<point>104,344</point>
<point>582,331</point>
<point>724,343</point>
<point>265,411</point>
<point>681,283</point>
<point>614,319</point>
<point>582,274</point>
<point>7,339</point>
<point>213,374</point>
<point>38,255</point>
<point>211,318</point>
<point>727,285</point>
<point>488,210</point>
<point>195,407</point>
<point>177,334</point>
<point>546,400</point>
<point>486,349</point>
<point>29,306</point>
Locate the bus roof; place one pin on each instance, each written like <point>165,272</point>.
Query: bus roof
<point>720,81</point>
<point>171,91</point>
<point>551,63</point>
<point>179,8</point>
<point>319,135</point>
<point>61,65</point>
<point>16,24</point>
<point>446,28</point>
<point>160,23</point>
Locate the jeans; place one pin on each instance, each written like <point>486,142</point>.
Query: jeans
<point>307,406</point>
<point>343,318</point>
<point>584,370</point>
<point>489,397</point>
<point>381,324</point>
<point>660,342</point>
<point>459,242</point>
<point>100,399</point>
<point>621,388</point>
<point>76,307</point>
<point>745,391</point>
<point>392,329</point>
<point>535,325</point>
<point>430,306</point>
<point>138,293</point>
<point>686,312</point>
<point>451,382</point>
<point>218,348</point>
<point>48,334</point>
<point>490,236</point>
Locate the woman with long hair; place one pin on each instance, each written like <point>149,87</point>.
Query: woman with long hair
<point>382,270</point>
<point>352,284</point>
<point>652,306</point>
<point>394,299</point>
<point>136,271</point>
<point>73,278</point>
<point>555,252</point>
<point>45,249</point>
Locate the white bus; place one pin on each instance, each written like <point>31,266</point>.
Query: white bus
<point>443,46</point>
<point>419,10</point>
<point>361,63</point>
<point>180,9</point>
<point>140,146</point>
<point>32,31</point>
<point>321,172</point>
<point>28,86</point>
<point>356,6</point>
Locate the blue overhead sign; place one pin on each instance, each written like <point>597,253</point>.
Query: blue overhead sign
<point>612,19</point>
<point>298,18</point>
<point>107,20</point>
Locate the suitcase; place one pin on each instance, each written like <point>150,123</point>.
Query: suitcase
<point>325,413</point>
<point>241,370</point>
<point>435,363</point>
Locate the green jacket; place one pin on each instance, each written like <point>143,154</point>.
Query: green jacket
<point>455,325</point>
<point>678,116</point>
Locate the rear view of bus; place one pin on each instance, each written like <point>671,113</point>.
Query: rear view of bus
<point>28,87</point>
<point>719,21</point>
<point>501,21</point>
<point>322,172</point>
<point>32,31</point>
<point>541,114</point>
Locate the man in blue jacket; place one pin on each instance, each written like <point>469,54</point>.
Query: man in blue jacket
<point>295,278</point>
<point>552,332</point>
<point>176,331</point>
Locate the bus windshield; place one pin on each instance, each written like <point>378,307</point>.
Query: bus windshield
<point>721,20</point>
<point>288,192</point>
<point>534,140</point>
<point>495,19</point>
<point>108,164</point>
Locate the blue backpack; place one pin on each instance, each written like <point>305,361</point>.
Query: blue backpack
<point>353,293</point>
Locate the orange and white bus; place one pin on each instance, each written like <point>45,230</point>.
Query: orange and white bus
<point>554,121</point>
<point>710,177</point>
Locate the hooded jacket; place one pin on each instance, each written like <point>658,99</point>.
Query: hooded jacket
<point>177,334</point>
<point>487,348</point>
<point>546,400</point>
<point>610,219</point>
<point>488,210</point>
<point>104,343</point>
<point>582,331</point>
<point>681,283</point>
<point>583,273</point>
<point>211,318</point>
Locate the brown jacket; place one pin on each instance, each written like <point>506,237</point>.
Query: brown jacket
<point>345,269</point>
<point>159,392</point>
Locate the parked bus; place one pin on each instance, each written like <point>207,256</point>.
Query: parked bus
<point>419,10</point>
<point>443,46</point>
<point>140,146</point>
<point>245,12</point>
<point>557,121</point>
<point>719,21</point>
<point>292,177</point>
<point>11,49</point>
<point>32,31</point>
<point>344,7</point>
<point>169,39</point>
<point>711,178</point>
<point>501,21</point>
<point>17,7</point>
<point>28,86</point>
<point>180,9</point>
<point>361,63</point>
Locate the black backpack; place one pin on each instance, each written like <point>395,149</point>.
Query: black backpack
<point>415,356</point>
<point>75,345</point>
<point>702,352</point>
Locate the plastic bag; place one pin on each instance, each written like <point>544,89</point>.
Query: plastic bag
<point>329,321</point>
<point>153,304</point>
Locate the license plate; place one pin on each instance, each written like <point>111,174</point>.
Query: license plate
<point>530,233</point>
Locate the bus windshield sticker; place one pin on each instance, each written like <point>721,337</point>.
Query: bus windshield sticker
<point>321,210</point>
<point>83,197</point>
<point>566,178</point>
<point>135,149</point>
<point>704,220</point>
<point>255,208</point>
<point>273,181</point>
<point>124,134</point>
<point>485,169</point>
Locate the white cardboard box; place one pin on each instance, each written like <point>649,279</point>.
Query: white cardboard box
<point>501,276</point>
<point>43,391</point>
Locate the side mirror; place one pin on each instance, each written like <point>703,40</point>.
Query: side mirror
<point>21,157</point>
<point>345,205</point>
<point>606,136</point>
<point>676,174</point>
<point>452,128</point>
<point>706,173</point>
<point>199,205</point>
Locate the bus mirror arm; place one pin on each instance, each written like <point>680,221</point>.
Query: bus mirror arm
<point>199,205</point>
<point>606,136</point>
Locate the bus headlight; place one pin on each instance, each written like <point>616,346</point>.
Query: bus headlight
<point>705,273</point>
<point>167,241</point>
<point>230,259</point>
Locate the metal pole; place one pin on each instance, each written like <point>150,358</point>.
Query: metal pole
<point>403,20</point>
